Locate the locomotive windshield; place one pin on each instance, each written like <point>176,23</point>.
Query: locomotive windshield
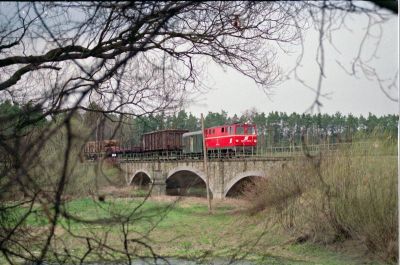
<point>239,130</point>
<point>251,130</point>
<point>246,129</point>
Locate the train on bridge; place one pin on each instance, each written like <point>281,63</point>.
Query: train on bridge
<point>225,140</point>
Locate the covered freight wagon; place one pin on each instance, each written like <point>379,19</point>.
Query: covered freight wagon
<point>165,140</point>
<point>193,143</point>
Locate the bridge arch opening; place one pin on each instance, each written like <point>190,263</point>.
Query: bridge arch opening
<point>186,183</point>
<point>242,186</point>
<point>141,181</point>
<point>241,183</point>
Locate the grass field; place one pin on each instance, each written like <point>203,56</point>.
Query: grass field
<point>182,228</point>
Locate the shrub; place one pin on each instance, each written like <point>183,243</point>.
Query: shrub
<point>82,177</point>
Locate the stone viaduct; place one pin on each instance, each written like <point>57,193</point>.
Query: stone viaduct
<point>223,174</point>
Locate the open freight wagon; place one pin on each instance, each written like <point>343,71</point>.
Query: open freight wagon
<point>163,141</point>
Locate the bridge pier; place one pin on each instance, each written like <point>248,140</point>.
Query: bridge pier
<point>218,195</point>
<point>159,186</point>
<point>217,173</point>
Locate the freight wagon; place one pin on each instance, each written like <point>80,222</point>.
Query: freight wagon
<point>96,149</point>
<point>192,143</point>
<point>165,140</point>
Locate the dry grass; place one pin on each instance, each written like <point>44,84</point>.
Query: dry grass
<point>349,194</point>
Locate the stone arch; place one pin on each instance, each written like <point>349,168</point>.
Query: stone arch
<point>241,176</point>
<point>193,170</point>
<point>137,173</point>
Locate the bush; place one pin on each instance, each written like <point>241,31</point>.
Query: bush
<point>349,193</point>
<point>82,177</point>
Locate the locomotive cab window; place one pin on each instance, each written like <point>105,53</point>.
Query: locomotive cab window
<point>239,130</point>
<point>222,129</point>
<point>251,130</point>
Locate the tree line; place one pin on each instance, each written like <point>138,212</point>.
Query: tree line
<point>280,128</point>
<point>274,128</point>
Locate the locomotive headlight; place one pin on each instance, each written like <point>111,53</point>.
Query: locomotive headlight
<point>237,140</point>
<point>255,140</point>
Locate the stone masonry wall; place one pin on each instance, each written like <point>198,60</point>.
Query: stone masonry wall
<point>223,173</point>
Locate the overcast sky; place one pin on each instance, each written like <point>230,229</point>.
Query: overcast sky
<point>235,93</point>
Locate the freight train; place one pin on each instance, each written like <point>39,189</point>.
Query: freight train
<point>226,140</point>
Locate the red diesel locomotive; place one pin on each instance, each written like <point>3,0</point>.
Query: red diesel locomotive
<point>225,139</point>
<point>235,137</point>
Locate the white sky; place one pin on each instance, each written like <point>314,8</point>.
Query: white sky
<point>235,93</point>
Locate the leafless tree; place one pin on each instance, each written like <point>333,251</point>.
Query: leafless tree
<point>131,58</point>
<point>328,17</point>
